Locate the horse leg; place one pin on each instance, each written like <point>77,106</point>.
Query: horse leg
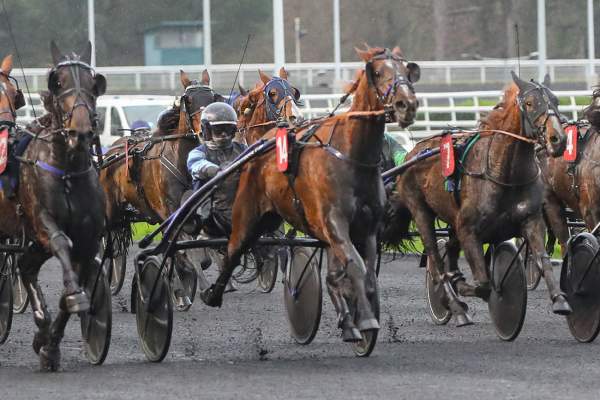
<point>556,220</point>
<point>50,352</point>
<point>245,229</point>
<point>335,282</point>
<point>30,264</point>
<point>60,244</point>
<point>473,250</point>
<point>424,219</point>
<point>452,251</point>
<point>533,231</point>
<point>337,233</point>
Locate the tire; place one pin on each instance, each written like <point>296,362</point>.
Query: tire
<point>96,322</point>
<point>154,315</point>
<point>302,294</point>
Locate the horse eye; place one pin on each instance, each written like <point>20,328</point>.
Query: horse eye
<point>529,104</point>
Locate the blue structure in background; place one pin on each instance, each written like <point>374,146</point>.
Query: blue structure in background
<point>174,43</point>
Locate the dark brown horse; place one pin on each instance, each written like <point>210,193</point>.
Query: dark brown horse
<point>575,185</point>
<point>253,107</point>
<point>155,177</point>
<point>337,194</point>
<point>500,193</point>
<point>60,197</point>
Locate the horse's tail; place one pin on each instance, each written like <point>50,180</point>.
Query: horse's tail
<point>396,227</point>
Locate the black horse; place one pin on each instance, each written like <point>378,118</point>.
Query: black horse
<point>59,203</point>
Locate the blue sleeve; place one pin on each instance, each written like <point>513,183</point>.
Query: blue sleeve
<point>197,163</point>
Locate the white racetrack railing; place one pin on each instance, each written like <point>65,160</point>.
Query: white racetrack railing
<point>436,112</point>
<point>151,79</point>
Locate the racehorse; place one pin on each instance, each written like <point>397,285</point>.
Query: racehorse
<point>155,178</point>
<point>500,193</point>
<point>59,196</point>
<point>575,184</point>
<point>336,193</point>
<point>261,108</point>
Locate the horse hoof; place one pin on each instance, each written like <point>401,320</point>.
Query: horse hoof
<point>229,288</point>
<point>49,359</point>
<point>77,302</point>
<point>38,342</point>
<point>483,291</point>
<point>369,324</point>
<point>561,306</point>
<point>463,319</point>
<point>205,263</point>
<point>351,335</point>
<point>183,303</point>
<point>210,299</point>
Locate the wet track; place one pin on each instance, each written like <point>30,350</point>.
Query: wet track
<point>244,351</point>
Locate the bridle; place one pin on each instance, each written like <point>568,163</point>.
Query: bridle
<point>196,91</point>
<point>18,102</point>
<point>399,79</point>
<point>528,127</point>
<point>284,91</point>
<point>75,67</point>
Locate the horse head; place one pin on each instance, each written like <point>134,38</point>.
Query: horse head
<point>11,97</point>
<point>196,96</point>
<point>592,112</point>
<point>391,78</point>
<point>73,87</point>
<point>540,119</point>
<point>271,101</point>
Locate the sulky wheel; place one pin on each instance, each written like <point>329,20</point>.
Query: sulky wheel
<point>302,293</point>
<point>580,280</point>
<point>20,295</point>
<point>6,297</point>
<point>115,263</point>
<point>435,294</point>
<point>532,272</point>
<point>508,298</point>
<point>365,347</point>
<point>96,323</point>
<point>154,310</point>
<point>246,272</point>
<point>267,271</point>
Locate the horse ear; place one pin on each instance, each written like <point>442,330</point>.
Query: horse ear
<point>86,54</point>
<point>364,55</point>
<point>99,85</point>
<point>205,78</point>
<point>264,77</point>
<point>396,51</point>
<point>414,72</point>
<point>7,64</point>
<point>283,73</point>
<point>243,91</point>
<point>55,52</point>
<point>185,80</point>
<point>518,81</point>
<point>547,81</point>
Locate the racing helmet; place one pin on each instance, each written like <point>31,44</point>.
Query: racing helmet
<point>219,124</point>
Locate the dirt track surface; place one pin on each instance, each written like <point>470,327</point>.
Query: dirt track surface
<point>244,351</point>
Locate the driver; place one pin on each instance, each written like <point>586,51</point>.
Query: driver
<point>219,125</point>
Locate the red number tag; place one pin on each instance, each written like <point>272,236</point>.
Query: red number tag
<point>3,149</point>
<point>447,155</point>
<point>570,153</point>
<point>281,146</point>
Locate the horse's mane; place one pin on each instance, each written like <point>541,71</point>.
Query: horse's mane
<point>502,116</point>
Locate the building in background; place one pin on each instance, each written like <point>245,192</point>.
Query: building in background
<point>174,43</point>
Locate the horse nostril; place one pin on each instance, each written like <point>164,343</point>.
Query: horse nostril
<point>401,105</point>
